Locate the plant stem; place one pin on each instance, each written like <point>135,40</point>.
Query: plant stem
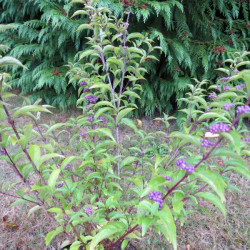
<point>18,197</point>
<point>12,123</point>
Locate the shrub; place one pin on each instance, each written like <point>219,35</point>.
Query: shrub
<point>102,192</point>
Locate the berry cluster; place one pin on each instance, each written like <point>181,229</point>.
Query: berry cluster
<point>156,197</point>
<point>91,99</point>
<point>240,86</point>
<point>228,106</point>
<point>90,118</point>
<point>225,79</point>
<point>182,164</point>
<point>226,88</point>
<point>206,143</point>
<point>243,109</point>
<point>219,127</point>
<point>88,210</point>
<point>219,49</point>
<point>213,95</point>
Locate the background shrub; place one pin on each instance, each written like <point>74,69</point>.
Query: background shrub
<point>195,36</point>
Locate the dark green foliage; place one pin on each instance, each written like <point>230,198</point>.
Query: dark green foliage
<point>191,33</point>
<point>45,40</point>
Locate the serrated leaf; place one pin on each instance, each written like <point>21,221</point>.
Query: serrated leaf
<point>49,237</point>
<point>213,115</point>
<point>53,177</point>
<point>214,199</point>
<point>30,108</point>
<point>166,218</point>
<point>106,232</point>
<point>33,210</point>
<point>214,180</point>
<point>123,113</point>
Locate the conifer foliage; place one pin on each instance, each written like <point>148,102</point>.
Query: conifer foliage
<point>196,37</point>
<point>44,39</point>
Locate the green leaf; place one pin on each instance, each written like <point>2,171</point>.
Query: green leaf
<point>33,209</point>
<point>123,113</point>
<point>166,218</point>
<point>186,138</point>
<point>225,152</point>
<point>34,152</point>
<point>87,53</point>
<point>145,224</point>
<point>49,237</point>
<point>135,35</point>
<point>213,115</point>
<point>106,132</point>
<point>214,199</point>
<point>106,232</point>
<point>214,180</point>
<point>53,177</point>
<point>30,108</point>
<point>127,161</point>
<point>10,61</point>
<point>129,123</point>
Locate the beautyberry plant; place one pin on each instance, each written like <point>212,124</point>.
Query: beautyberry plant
<point>101,191</point>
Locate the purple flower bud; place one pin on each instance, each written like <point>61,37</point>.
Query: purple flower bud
<point>243,109</point>
<point>247,139</point>
<point>60,185</point>
<point>213,95</point>
<point>167,178</point>
<point>219,127</point>
<point>87,106</point>
<point>83,83</point>
<point>68,166</point>
<point>225,79</point>
<point>85,90</point>
<point>228,106</point>
<point>206,144</point>
<point>236,71</point>
<point>218,87</point>
<point>88,210</point>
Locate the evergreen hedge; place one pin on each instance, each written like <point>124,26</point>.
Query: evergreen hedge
<point>196,36</point>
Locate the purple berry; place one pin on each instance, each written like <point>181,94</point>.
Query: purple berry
<point>225,79</point>
<point>228,106</point>
<point>167,178</point>
<point>219,127</point>
<point>60,185</point>
<point>213,95</point>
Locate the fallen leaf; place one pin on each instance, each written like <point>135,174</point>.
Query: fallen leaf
<point>8,224</point>
<point>139,122</point>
